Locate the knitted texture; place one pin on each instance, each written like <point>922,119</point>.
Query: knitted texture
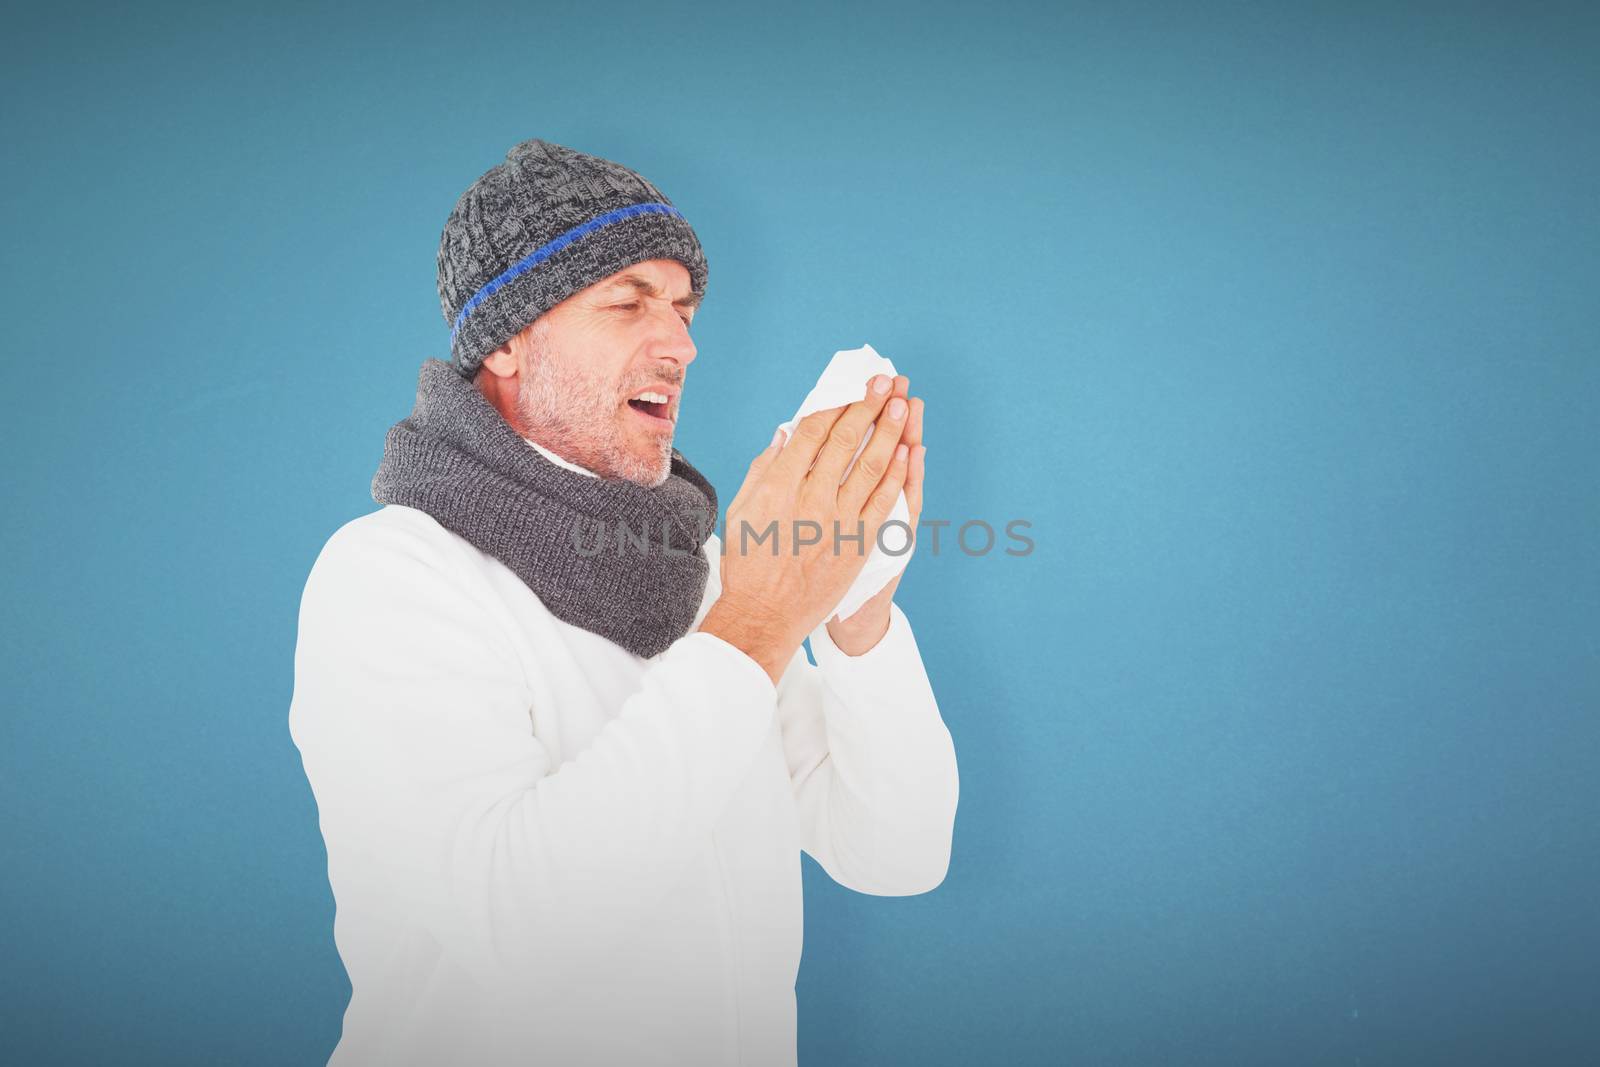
<point>538,227</point>
<point>604,554</point>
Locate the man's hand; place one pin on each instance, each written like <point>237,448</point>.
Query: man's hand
<point>862,630</point>
<point>782,567</point>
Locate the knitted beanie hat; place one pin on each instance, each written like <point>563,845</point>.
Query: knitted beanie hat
<point>537,228</point>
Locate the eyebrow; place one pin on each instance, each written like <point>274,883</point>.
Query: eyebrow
<point>642,286</point>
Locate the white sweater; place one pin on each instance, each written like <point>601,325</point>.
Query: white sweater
<point>546,850</point>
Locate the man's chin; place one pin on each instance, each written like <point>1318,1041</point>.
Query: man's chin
<point>648,467</point>
<point>651,480</point>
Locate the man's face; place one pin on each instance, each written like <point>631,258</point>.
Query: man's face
<point>593,371</point>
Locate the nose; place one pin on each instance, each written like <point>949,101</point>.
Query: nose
<point>670,339</point>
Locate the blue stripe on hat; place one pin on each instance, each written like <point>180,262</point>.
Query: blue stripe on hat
<point>545,251</point>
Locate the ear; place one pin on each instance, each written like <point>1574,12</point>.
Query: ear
<point>496,378</point>
<point>502,362</point>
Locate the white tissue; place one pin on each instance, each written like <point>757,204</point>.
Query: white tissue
<point>844,381</point>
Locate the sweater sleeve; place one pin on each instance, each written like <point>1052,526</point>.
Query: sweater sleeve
<point>411,713</point>
<point>872,763</point>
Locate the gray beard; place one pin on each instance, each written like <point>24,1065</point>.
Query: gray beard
<point>572,417</point>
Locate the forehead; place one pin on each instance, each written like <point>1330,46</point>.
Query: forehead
<point>655,277</point>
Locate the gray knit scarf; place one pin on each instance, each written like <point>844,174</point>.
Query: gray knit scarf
<point>604,554</point>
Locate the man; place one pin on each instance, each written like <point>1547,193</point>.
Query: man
<point>564,791</point>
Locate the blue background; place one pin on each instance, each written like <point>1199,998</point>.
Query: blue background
<point>1278,322</point>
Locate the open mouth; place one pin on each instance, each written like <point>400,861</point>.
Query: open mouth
<point>652,409</point>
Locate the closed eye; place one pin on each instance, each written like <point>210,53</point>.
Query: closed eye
<point>634,306</point>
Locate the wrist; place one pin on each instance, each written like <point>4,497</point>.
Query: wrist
<point>757,633</point>
<point>861,634</point>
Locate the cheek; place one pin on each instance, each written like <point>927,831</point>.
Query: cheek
<point>611,339</point>
<point>605,351</point>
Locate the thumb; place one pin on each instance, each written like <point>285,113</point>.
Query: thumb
<point>762,461</point>
<point>770,453</point>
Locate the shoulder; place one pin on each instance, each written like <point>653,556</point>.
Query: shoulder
<point>394,536</point>
<point>394,579</point>
<point>393,554</point>
<point>394,614</point>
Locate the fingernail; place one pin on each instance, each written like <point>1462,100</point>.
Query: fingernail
<point>880,384</point>
<point>897,408</point>
<point>899,453</point>
<point>777,436</point>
